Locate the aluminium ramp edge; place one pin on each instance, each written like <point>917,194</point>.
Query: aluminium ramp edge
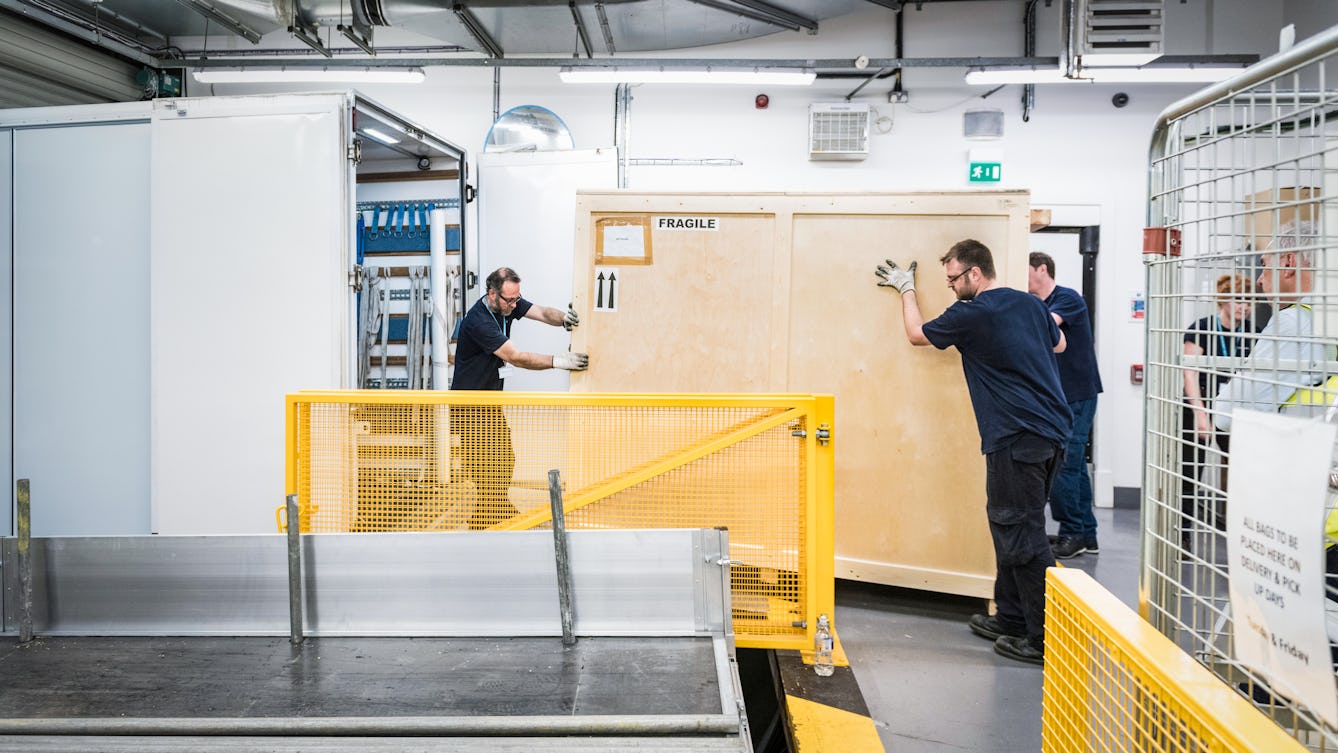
<point>452,635</point>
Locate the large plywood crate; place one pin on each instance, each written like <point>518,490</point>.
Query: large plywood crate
<point>776,293</point>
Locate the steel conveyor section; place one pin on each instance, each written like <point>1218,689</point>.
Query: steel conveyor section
<point>416,642</point>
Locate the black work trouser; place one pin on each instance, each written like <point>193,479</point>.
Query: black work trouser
<point>487,459</point>
<point>1017,483</point>
<point>1208,507</point>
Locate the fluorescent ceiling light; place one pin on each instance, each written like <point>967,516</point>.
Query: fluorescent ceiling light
<point>1016,76</point>
<point>1159,75</point>
<point>384,138</point>
<point>768,76</point>
<point>1120,59</point>
<point>999,76</point>
<point>308,75</point>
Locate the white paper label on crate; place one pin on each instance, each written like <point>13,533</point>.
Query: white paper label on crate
<point>1276,506</point>
<point>606,288</point>
<point>625,241</point>
<point>687,223</point>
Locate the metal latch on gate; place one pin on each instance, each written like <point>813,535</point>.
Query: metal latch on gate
<point>823,434</point>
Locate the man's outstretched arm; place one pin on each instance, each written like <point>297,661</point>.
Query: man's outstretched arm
<point>892,276</point>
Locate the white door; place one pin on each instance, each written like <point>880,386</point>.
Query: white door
<point>81,327</point>
<point>251,220</point>
<point>541,188</point>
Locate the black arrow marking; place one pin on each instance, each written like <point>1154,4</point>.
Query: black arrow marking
<point>599,300</point>
<point>613,278</point>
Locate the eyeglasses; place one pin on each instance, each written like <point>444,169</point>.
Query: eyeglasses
<point>954,278</point>
<point>508,301</point>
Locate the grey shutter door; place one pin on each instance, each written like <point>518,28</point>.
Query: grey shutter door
<point>40,67</point>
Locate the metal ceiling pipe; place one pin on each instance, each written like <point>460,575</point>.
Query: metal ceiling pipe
<point>784,20</point>
<point>580,28</point>
<point>233,25</point>
<point>477,30</point>
<point>1028,49</point>
<point>622,103</point>
<point>604,26</point>
<point>79,28</point>
<point>219,59</point>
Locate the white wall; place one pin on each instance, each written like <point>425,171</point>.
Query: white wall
<point>1077,148</point>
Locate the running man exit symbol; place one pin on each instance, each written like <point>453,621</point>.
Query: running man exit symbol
<point>606,289</point>
<point>985,172</point>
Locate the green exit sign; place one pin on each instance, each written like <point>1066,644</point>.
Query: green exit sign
<point>985,172</point>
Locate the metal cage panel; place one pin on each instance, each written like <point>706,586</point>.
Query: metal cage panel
<point>1242,281</point>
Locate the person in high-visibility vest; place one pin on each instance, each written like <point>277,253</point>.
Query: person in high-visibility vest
<point>1286,350</point>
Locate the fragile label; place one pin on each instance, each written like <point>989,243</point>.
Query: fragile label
<point>687,223</point>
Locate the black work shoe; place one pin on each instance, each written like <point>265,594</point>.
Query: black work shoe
<point>987,626</point>
<point>1069,546</point>
<point>1092,546</point>
<point>1054,538</point>
<point>1019,648</point>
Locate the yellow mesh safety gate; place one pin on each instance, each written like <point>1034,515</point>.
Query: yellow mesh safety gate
<point>1114,683</point>
<point>759,465</point>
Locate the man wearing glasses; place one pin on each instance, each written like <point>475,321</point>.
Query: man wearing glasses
<point>1007,340</point>
<point>484,357</point>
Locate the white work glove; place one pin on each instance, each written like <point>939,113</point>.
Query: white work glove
<point>571,319</point>
<point>893,276</point>
<point>571,361</point>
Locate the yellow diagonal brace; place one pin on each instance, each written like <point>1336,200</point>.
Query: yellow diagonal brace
<point>668,463</point>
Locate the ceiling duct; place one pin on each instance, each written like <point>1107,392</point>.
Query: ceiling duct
<point>1120,32</point>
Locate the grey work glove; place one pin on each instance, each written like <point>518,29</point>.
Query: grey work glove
<point>571,361</point>
<point>571,319</point>
<point>893,276</point>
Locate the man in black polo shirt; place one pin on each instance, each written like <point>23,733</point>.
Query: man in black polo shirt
<point>484,356</point>
<point>1007,340</point>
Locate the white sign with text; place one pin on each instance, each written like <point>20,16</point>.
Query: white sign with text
<point>1276,507</point>
<point>711,224</point>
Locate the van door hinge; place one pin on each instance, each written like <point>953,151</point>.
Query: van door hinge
<point>355,277</point>
<point>355,152</point>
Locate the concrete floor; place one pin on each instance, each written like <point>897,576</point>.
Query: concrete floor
<point>932,685</point>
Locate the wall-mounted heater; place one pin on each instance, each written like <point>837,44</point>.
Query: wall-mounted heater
<point>838,131</point>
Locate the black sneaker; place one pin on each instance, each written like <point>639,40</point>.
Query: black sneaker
<point>1019,648</point>
<point>987,626</point>
<point>1054,538</point>
<point>1069,546</point>
<point>1092,546</point>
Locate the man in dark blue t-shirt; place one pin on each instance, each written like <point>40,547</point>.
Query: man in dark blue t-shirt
<point>1007,340</point>
<point>484,356</point>
<point>1071,497</point>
